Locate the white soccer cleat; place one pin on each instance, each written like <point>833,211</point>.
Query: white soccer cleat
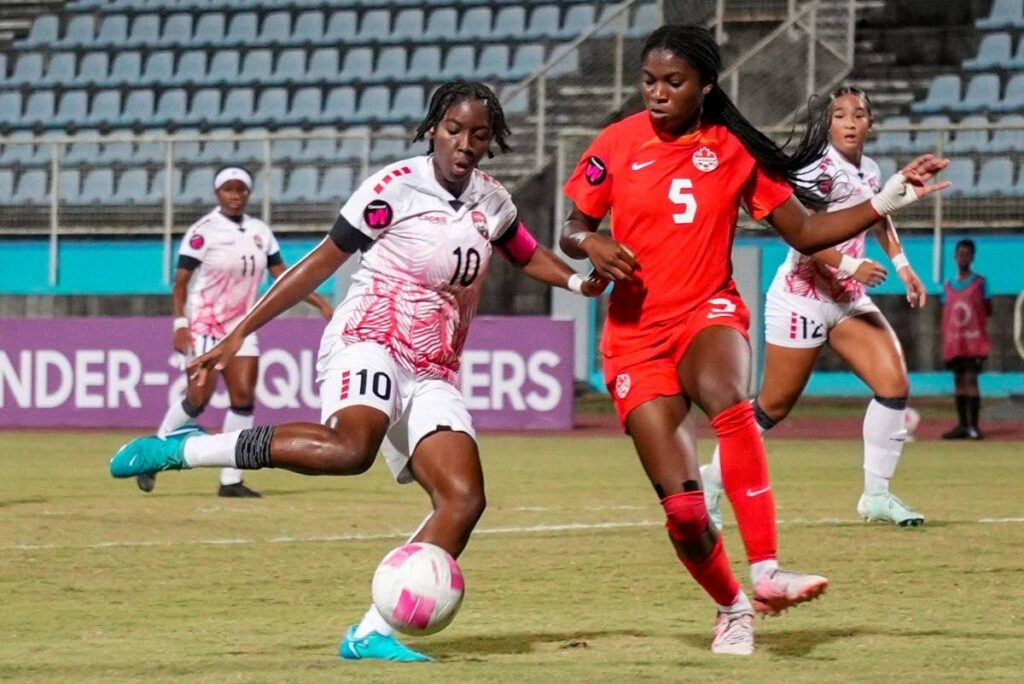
<point>781,589</point>
<point>712,497</point>
<point>734,634</point>
<point>888,508</point>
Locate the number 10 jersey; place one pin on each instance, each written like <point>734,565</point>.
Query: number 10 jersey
<point>424,255</point>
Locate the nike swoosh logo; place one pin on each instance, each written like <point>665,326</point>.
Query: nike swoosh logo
<point>641,165</point>
<point>756,492</point>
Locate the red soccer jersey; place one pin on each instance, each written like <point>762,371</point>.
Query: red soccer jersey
<point>675,204</point>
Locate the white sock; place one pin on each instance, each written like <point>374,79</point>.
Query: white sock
<point>206,451</point>
<point>173,419</point>
<point>884,435</point>
<point>740,605</point>
<point>234,422</point>
<point>373,621</point>
<point>762,568</point>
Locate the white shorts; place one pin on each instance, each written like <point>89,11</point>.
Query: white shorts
<point>797,322</point>
<point>365,374</point>
<point>204,343</point>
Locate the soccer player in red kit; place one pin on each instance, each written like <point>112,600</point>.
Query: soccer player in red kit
<point>674,178</point>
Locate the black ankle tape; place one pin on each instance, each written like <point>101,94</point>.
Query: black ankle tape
<point>894,403</point>
<point>252,451</point>
<point>190,410</point>
<point>763,419</point>
<point>242,410</point>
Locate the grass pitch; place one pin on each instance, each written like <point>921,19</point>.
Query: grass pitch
<point>569,577</point>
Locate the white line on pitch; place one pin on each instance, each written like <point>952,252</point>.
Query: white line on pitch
<point>564,527</point>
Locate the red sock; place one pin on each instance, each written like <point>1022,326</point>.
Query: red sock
<point>687,522</point>
<point>745,478</point>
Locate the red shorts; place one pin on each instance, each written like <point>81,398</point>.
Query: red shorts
<point>653,370</point>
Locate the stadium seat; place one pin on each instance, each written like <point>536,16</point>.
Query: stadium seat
<point>209,29</point>
<point>339,106</point>
<point>509,22</point>
<point>71,109</point>
<point>943,93</point>
<point>113,32</point>
<point>98,187</point>
<point>39,108</point>
<point>1004,14</point>
<point>517,104</point>
<point>544,22</point>
<point>424,64</point>
<point>158,186</point>
<point>131,187</point>
<point>408,26</point>
<point>44,32</point>
<point>336,185</point>
<point>886,167</point>
<point>288,149</point>
<point>578,19</point>
<point>358,65</point>
<point>126,69</point>
<point>60,71</point>
<point>408,103</point>
<point>93,69</point>
<point>205,107</point>
<point>1013,98</point>
<point>928,140</point>
<point>994,52</point>
<point>276,29</point>
<point>32,188</point>
<point>459,61</point>
<point>967,141</point>
<point>303,185</point>
<point>69,185</point>
<point>105,109</point>
<point>28,70</point>
<point>239,104</point>
<point>494,62</point>
<point>250,151</point>
<point>145,31</point>
<point>375,26</point>
<point>391,64</point>
<point>224,67</point>
<point>341,27</point>
<point>354,145</point>
<point>960,173</point>
<point>198,187</point>
<point>80,153</point>
<point>982,93</point>
<point>442,24</point>
<point>291,66</point>
<point>1017,62</point>
<point>79,32</point>
<point>256,66</point>
<point>391,144</point>
<point>241,30</point>
<point>177,30</point>
<point>191,68</point>
<point>323,66</point>
<point>139,109</point>
<point>159,68</point>
<point>172,108</point>
<point>6,185</point>
<point>1008,140</point>
<point>1018,188</point>
<point>271,108</point>
<point>116,152</point>
<point>309,28</point>
<point>995,179</point>
<point>476,24</point>
<point>374,105</point>
<point>216,152</point>
<point>10,108</point>
<point>306,106</point>
<point>645,20</point>
<point>566,64</point>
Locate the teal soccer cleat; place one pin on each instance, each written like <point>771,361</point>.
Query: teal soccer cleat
<point>152,454</point>
<point>376,646</point>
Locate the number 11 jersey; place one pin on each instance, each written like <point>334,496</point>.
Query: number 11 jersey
<point>674,202</point>
<point>424,255</point>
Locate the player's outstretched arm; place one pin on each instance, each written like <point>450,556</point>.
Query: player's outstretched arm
<point>864,271</point>
<point>889,240</point>
<point>322,305</point>
<point>810,233</point>
<point>545,266</point>
<point>579,240</point>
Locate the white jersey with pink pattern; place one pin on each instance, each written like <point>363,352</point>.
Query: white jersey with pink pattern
<point>845,186</point>
<point>420,280</point>
<point>233,261</point>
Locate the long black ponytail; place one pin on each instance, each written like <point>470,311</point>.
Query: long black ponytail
<point>696,45</point>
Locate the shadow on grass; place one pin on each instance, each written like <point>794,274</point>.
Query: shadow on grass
<point>469,647</point>
<point>23,502</point>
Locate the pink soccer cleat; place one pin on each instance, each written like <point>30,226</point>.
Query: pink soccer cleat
<point>781,589</point>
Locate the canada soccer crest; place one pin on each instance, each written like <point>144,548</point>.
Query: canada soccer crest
<point>705,159</point>
<point>623,383</point>
<point>480,223</point>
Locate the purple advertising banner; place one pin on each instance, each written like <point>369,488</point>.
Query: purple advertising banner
<point>123,373</point>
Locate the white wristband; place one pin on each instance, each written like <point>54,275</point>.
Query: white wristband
<point>849,264</point>
<point>895,194</point>
<point>579,237</point>
<point>900,261</point>
<point>575,283</point>
<point>180,323</point>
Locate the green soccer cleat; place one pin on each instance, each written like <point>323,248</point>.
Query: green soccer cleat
<point>712,498</point>
<point>152,454</point>
<point>888,508</point>
<point>376,646</point>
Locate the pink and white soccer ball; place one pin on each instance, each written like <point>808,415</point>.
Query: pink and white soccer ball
<point>911,419</point>
<point>418,588</point>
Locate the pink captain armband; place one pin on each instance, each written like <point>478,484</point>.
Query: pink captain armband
<point>519,246</point>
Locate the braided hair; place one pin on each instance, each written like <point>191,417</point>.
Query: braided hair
<point>696,45</point>
<point>454,92</point>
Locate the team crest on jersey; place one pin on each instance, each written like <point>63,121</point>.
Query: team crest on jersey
<point>196,241</point>
<point>705,159</point>
<point>596,171</point>
<point>258,240</point>
<point>378,214</point>
<point>480,223</point>
<point>623,383</point>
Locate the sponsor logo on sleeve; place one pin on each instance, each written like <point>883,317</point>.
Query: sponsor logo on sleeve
<point>196,241</point>
<point>596,171</point>
<point>378,214</point>
<point>705,159</point>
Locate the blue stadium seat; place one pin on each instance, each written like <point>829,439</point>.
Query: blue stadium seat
<point>238,107</point>
<point>476,23</point>
<point>113,32</point>
<point>323,66</point>
<point>32,188</point>
<point>250,151</point>
<point>306,106</point>
<point>494,62</point>
<point>375,26</point>
<point>354,145</point>
<point>518,104</point>
<point>98,187</point>
<point>139,109</point>
<point>1017,62</point>
<point>256,66</point>
<point>28,70</point>
<point>960,173</point>
<point>209,29</point>
<point>544,22</point>
<point>217,152</point>
<point>198,187</point>
<point>20,150</point>
<point>271,108</point>
<point>645,20</point>
<point>967,141</point>
<point>391,64</point>
<point>289,148</point>
<point>125,70</point>
<point>943,93</point>
<point>391,144</point>
<point>60,71</point>
<point>159,68</point>
<point>39,108</point>
<point>1008,140</point>
<point>241,30</point>
<point>276,29</point>
<point>80,32</point>
<point>509,22</point>
<point>145,30</point>
<point>578,19</point>
<point>527,60</point>
<point>10,108</point>
<point>132,187</point>
<point>172,108</point>
<point>424,63</point>
<point>81,153</point>
<point>995,179</point>
<point>44,32</point>
<point>177,30</point>
<point>303,185</point>
<point>336,185</point>
<point>71,109</point>
<point>442,24</point>
<point>1004,14</point>
<point>69,185</point>
<point>151,152</point>
<point>117,152</point>
<point>886,167</point>
<point>158,186</point>
<point>223,69</point>
<point>93,69</point>
<point>339,106</point>
<point>191,67</point>
<point>408,26</point>
<point>205,107</point>
<point>291,66</point>
<point>309,28</point>
<point>567,64</point>
<point>358,65</point>
<point>982,93</point>
<point>459,61</point>
<point>105,109</point>
<point>1013,98</point>
<point>6,185</point>
<point>928,140</point>
<point>374,105</point>
<point>993,52</point>
<point>341,27</point>
<point>408,103</point>
<point>1018,188</point>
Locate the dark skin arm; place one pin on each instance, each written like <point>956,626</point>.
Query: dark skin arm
<point>325,308</point>
<point>547,268</point>
<point>292,287</point>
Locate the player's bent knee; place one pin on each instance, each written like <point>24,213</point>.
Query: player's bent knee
<point>686,516</point>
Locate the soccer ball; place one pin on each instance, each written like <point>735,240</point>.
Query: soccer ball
<point>418,588</point>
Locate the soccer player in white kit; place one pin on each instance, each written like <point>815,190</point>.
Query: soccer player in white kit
<point>425,229</point>
<point>223,260</point>
<point>821,299</point>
